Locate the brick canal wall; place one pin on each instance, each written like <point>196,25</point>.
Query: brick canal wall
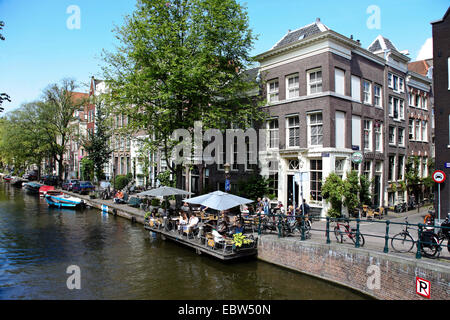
<point>351,267</point>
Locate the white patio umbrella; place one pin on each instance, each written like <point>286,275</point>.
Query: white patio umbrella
<point>164,192</point>
<point>219,200</point>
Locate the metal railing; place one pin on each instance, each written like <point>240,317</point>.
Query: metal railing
<point>425,238</point>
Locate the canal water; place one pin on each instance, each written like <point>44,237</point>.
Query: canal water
<point>120,260</point>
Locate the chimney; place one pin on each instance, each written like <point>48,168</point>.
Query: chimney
<point>351,36</point>
<point>317,20</point>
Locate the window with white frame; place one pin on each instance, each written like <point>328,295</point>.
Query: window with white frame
<point>292,86</point>
<point>401,85</point>
<point>424,131</point>
<point>367,92</point>
<point>356,88</point>
<point>396,108</point>
<point>390,80</point>
<point>395,83</point>
<point>315,180</point>
<point>411,129</point>
<point>417,131</point>
<point>400,165</point>
<point>315,129</point>
<point>273,179</point>
<point>402,109</point>
<point>272,91</point>
<point>314,80</point>
<point>379,167</point>
<point>424,167</point>
<point>368,135</point>
<point>339,81</point>
<point>339,166</point>
<point>293,125</point>
<point>424,102</point>
<point>367,168</point>
<point>378,129</point>
<point>391,171</point>
<point>417,101</point>
<point>391,106</point>
<point>377,96</point>
<point>401,136</point>
<point>392,135</point>
<point>411,99</point>
<point>273,134</point>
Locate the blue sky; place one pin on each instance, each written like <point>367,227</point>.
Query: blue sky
<point>39,48</point>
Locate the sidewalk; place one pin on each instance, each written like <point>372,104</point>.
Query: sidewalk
<point>374,233</point>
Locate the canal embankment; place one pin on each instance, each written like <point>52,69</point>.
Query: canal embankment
<point>385,276</point>
<point>380,275</point>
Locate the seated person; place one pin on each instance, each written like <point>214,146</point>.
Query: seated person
<point>223,226</point>
<point>193,221</point>
<point>185,207</point>
<point>239,228</point>
<point>118,197</point>
<point>183,221</point>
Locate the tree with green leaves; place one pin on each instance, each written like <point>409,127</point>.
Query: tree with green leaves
<point>332,192</point>
<point>412,177</point>
<point>178,62</point>
<point>352,190</point>
<point>56,112</point>
<point>21,139</point>
<point>364,192</point>
<point>97,143</point>
<point>254,187</point>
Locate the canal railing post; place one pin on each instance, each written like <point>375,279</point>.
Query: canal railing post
<point>302,217</point>
<point>328,230</point>
<point>419,249</point>
<point>259,223</point>
<point>357,234</point>
<point>279,225</point>
<point>386,238</point>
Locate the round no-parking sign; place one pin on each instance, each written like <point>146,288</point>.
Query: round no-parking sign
<point>439,176</point>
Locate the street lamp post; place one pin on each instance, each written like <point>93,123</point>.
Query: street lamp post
<point>226,168</point>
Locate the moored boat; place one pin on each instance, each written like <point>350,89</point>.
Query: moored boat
<point>45,190</point>
<point>32,187</point>
<point>17,182</point>
<point>7,178</point>
<point>63,201</point>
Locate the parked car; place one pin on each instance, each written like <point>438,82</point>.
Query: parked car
<point>83,187</point>
<point>49,180</point>
<point>31,175</point>
<point>68,184</point>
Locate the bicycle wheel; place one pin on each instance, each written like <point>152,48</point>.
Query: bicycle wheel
<point>338,234</point>
<point>402,242</point>
<point>362,241</point>
<point>431,247</point>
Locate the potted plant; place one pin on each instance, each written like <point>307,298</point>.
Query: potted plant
<point>241,241</point>
<point>154,204</point>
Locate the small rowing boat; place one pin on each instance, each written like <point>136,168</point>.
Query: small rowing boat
<point>63,201</point>
<point>45,190</point>
<point>32,187</point>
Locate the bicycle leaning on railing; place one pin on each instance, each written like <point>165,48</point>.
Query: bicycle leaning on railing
<point>430,243</point>
<point>342,229</point>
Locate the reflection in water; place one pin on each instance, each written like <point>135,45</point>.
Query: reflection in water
<point>120,260</point>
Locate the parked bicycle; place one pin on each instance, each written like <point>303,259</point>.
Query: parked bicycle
<point>444,232</point>
<point>430,242</point>
<point>342,229</point>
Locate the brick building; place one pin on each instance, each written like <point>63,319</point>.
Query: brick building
<point>327,99</point>
<point>441,83</point>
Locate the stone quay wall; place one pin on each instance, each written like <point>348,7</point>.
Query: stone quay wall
<point>382,276</point>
